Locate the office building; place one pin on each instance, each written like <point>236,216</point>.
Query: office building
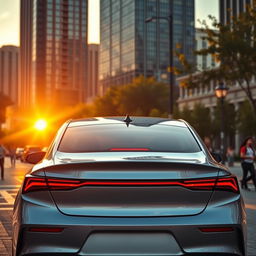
<point>53,52</point>
<point>9,72</point>
<point>232,8</point>
<point>24,97</point>
<point>203,62</point>
<point>130,47</point>
<point>93,72</point>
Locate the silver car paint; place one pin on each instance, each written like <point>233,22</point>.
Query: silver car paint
<point>82,233</point>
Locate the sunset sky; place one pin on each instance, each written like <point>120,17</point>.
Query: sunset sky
<point>9,18</point>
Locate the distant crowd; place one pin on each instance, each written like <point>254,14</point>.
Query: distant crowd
<point>247,156</point>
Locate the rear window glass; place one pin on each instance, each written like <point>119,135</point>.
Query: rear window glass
<point>106,138</point>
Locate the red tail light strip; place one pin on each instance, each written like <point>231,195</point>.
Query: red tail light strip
<point>129,149</point>
<point>32,184</point>
<point>217,229</point>
<point>227,182</point>
<point>46,229</point>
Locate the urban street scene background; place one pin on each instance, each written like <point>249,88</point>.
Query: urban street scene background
<point>66,59</point>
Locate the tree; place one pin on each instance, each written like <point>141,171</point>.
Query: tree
<point>202,120</point>
<point>246,120</point>
<point>233,46</point>
<point>199,118</point>
<point>230,123</point>
<point>185,114</point>
<point>144,96</point>
<point>106,105</point>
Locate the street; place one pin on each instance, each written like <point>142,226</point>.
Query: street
<point>14,177</point>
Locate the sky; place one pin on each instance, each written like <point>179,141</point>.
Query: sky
<point>9,18</point>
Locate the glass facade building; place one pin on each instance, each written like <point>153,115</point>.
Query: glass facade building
<point>93,72</point>
<point>130,47</point>
<point>9,72</point>
<point>232,8</point>
<point>58,37</point>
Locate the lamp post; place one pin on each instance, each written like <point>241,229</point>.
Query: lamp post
<point>221,92</point>
<point>169,19</point>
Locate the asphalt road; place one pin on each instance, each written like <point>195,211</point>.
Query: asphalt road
<point>14,177</point>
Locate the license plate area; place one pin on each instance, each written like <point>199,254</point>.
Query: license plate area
<point>131,244</point>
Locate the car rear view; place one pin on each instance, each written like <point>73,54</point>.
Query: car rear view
<point>143,187</point>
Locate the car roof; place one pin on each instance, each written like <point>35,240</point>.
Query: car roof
<point>135,120</point>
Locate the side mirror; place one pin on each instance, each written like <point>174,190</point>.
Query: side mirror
<point>217,157</point>
<point>35,157</point>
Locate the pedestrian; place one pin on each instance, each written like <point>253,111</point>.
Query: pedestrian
<point>12,153</point>
<point>3,151</point>
<point>208,143</point>
<point>247,154</point>
<point>230,156</point>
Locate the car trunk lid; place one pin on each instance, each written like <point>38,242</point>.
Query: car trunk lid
<point>131,189</point>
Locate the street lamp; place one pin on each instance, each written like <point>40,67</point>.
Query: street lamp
<point>169,19</point>
<point>221,92</point>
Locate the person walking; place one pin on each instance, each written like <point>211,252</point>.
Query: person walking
<point>3,151</point>
<point>208,144</point>
<point>230,156</point>
<point>247,154</point>
<point>12,152</point>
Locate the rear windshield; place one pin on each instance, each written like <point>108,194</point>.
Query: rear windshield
<point>107,138</point>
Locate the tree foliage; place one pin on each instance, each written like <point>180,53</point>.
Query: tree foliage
<point>202,120</point>
<point>233,46</point>
<point>144,96</point>
<point>199,118</point>
<point>186,114</point>
<point>247,121</point>
<point>230,116</point>
<point>207,124</point>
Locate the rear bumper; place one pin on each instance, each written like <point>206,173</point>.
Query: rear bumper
<point>73,240</point>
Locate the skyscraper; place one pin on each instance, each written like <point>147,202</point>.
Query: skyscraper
<point>24,97</point>
<point>93,72</point>
<point>230,8</point>
<point>53,52</point>
<point>130,47</point>
<point>9,72</point>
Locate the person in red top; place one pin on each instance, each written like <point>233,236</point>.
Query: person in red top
<point>247,155</point>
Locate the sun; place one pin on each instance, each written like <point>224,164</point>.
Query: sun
<point>40,125</point>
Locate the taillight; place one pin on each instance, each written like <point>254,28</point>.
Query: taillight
<point>45,229</point>
<point>229,183</point>
<point>35,184</point>
<point>129,149</point>
<point>216,229</point>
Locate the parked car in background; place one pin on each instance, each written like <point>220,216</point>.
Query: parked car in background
<point>29,149</point>
<point>44,149</point>
<point>133,186</point>
<point>19,152</point>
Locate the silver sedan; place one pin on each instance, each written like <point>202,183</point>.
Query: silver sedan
<point>133,186</point>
